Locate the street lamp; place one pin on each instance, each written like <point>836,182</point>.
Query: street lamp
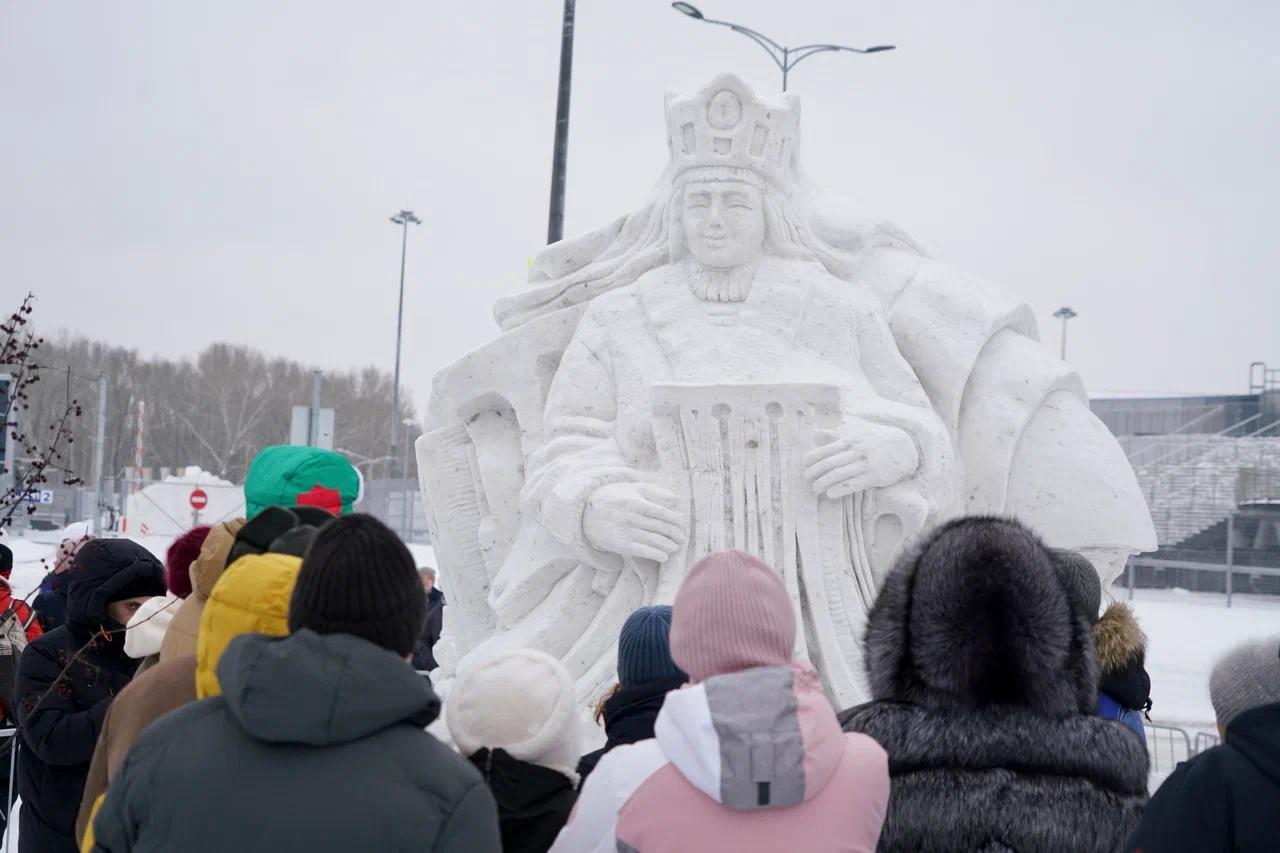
<point>785,58</point>
<point>1065,314</point>
<point>404,219</point>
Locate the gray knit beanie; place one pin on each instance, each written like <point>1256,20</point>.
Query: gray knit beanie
<point>1246,677</point>
<point>1081,580</point>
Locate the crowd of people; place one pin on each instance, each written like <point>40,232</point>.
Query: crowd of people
<point>265,688</point>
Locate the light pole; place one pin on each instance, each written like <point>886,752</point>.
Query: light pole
<point>407,495</point>
<point>560,154</point>
<point>785,58</point>
<point>1065,314</point>
<point>404,218</point>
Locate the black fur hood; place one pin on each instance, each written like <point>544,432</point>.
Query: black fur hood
<point>977,615</point>
<point>984,679</point>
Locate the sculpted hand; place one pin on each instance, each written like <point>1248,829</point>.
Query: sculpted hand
<point>861,455</point>
<point>634,520</point>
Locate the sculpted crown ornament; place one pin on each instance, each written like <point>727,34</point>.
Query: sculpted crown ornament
<point>724,124</point>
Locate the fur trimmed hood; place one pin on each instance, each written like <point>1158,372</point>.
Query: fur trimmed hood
<point>977,615</point>
<point>1118,639</point>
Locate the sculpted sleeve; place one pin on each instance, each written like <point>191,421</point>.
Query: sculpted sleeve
<point>579,453</point>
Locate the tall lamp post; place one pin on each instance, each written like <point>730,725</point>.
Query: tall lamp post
<point>404,219</point>
<point>1065,314</point>
<point>560,154</point>
<point>785,58</point>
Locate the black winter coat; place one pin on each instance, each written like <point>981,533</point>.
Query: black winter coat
<point>533,801</point>
<point>1227,798</point>
<point>423,655</point>
<point>629,715</point>
<point>316,744</point>
<point>62,699</point>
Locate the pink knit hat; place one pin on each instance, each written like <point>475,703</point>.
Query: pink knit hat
<point>731,613</point>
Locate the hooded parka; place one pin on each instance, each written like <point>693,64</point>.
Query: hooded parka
<point>748,761</point>
<point>315,744</point>
<point>66,681</point>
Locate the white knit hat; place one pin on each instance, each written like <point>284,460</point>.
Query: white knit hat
<point>147,626</point>
<point>521,701</point>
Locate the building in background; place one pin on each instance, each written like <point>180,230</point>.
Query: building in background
<point>1209,467</point>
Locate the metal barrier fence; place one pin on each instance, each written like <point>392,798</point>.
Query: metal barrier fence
<point>1169,746</point>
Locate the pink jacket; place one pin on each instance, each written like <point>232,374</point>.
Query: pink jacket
<point>750,761</point>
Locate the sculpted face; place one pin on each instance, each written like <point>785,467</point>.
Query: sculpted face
<point>723,222</point>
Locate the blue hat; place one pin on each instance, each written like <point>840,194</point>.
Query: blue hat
<point>644,653</point>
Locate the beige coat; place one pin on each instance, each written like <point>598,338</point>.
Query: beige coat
<point>180,639</point>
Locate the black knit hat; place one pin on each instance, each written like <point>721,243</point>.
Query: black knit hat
<point>6,561</point>
<point>358,578</point>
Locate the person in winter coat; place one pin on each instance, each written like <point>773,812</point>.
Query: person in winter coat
<point>51,602</point>
<point>985,687</point>
<point>424,658</point>
<point>1124,688</point>
<point>24,614</point>
<point>26,622</point>
<point>1227,798</point>
<point>180,637</point>
<point>252,596</point>
<point>646,673</point>
<point>316,742</point>
<point>748,756</point>
<point>66,681</point>
<point>515,717</point>
<point>179,557</point>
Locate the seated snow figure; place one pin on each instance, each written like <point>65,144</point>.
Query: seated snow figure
<point>740,365</point>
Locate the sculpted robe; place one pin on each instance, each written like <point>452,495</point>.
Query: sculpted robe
<point>798,326</point>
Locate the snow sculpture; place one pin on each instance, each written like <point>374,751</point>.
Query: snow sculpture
<point>745,362</point>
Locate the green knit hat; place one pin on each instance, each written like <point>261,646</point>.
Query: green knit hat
<point>287,475</point>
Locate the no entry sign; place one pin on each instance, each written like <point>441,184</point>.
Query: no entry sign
<point>199,499</point>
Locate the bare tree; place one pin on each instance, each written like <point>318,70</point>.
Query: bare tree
<point>43,454</point>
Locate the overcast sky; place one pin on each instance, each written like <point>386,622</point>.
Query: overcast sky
<point>177,173</point>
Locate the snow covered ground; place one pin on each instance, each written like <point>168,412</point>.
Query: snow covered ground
<point>1186,632</point>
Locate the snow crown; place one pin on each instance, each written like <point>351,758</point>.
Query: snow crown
<point>725,125</point>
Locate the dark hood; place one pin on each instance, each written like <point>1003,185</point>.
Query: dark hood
<point>435,598</point>
<point>977,615</point>
<point>1255,734</point>
<point>320,690</point>
<point>519,786</point>
<point>101,569</point>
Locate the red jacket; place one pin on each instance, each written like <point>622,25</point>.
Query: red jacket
<point>24,612</point>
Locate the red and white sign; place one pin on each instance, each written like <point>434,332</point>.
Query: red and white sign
<point>199,499</point>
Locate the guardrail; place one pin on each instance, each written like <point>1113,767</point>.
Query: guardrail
<point>1168,746</point>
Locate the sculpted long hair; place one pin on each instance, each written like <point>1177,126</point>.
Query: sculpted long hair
<point>576,270</point>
